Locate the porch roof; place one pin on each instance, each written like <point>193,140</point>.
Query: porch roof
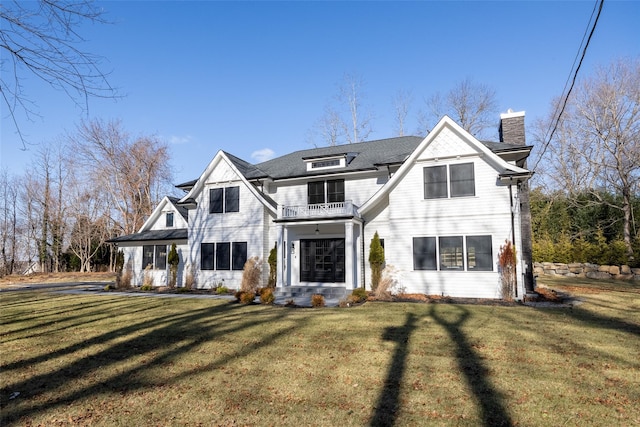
<point>173,234</point>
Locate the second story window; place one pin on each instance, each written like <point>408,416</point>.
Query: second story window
<point>441,182</point>
<point>224,200</point>
<point>330,191</point>
<point>169,219</point>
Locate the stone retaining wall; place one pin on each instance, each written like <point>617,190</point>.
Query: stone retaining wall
<point>592,271</point>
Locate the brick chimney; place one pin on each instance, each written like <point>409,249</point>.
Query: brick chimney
<point>512,131</point>
<point>512,128</point>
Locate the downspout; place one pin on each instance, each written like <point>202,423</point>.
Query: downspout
<point>513,233</point>
<point>362,271</point>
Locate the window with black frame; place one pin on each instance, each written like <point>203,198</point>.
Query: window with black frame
<point>424,253</point>
<point>456,180</point>
<point>223,200</point>
<point>207,260</point>
<point>479,253</point>
<point>147,256</point>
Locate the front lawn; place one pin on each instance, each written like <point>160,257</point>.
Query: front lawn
<point>108,360</point>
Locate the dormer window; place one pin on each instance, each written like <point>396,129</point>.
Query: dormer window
<point>328,162</point>
<point>325,163</point>
<point>169,219</point>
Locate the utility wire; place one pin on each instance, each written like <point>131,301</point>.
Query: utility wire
<point>573,80</point>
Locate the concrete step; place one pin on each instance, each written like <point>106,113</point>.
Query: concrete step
<point>337,292</point>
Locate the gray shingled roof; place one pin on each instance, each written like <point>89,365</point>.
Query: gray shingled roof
<point>368,155</point>
<point>173,234</point>
<point>184,212</point>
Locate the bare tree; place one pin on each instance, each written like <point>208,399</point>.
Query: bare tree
<point>10,224</point>
<point>329,128</point>
<point>351,94</point>
<point>40,38</point>
<point>596,148</point>
<point>45,203</point>
<point>346,121</point>
<point>91,225</point>
<point>401,104</point>
<point>472,105</point>
<point>134,173</point>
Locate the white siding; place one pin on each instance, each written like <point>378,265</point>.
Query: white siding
<point>358,189</point>
<point>133,260</point>
<point>247,225</point>
<point>408,214</point>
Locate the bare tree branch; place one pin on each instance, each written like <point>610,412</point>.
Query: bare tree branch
<point>41,39</point>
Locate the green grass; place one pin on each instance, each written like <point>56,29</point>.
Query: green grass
<point>106,360</point>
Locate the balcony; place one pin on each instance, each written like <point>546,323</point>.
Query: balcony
<point>320,210</point>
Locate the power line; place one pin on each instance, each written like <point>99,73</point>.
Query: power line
<point>573,80</point>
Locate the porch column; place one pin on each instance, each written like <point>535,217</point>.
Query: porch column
<point>280,267</point>
<point>349,265</point>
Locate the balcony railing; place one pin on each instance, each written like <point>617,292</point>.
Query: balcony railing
<point>320,210</point>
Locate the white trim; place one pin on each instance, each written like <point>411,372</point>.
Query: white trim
<point>511,114</point>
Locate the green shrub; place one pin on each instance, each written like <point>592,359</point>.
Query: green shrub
<point>146,287</point>
<point>273,266</point>
<point>267,296</point>
<point>173,259</point>
<point>376,260</point>
<point>317,300</point>
<point>222,290</point>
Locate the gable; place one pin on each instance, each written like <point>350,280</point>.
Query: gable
<point>447,140</point>
<point>222,171</point>
<point>447,143</point>
<point>157,219</point>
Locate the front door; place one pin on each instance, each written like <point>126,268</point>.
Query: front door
<point>322,260</point>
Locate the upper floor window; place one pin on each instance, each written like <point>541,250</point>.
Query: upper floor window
<point>325,163</point>
<point>325,191</point>
<point>224,199</point>
<point>169,219</point>
<point>444,181</point>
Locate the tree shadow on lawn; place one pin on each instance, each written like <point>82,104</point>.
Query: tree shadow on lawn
<point>492,409</point>
<point>388,403</point>
<point>163,339</point>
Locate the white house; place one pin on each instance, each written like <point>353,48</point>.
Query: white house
<point>442,205</point>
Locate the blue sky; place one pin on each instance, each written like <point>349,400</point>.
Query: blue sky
<point>251,76</point>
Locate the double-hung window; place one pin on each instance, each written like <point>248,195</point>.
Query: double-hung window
<point>442,181</point>
<point>330,191</point>
<point>224,199</point>
<point>315,192</point>
<point>424,253</point>
<point>207,251</point>
<point>169,219</point>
